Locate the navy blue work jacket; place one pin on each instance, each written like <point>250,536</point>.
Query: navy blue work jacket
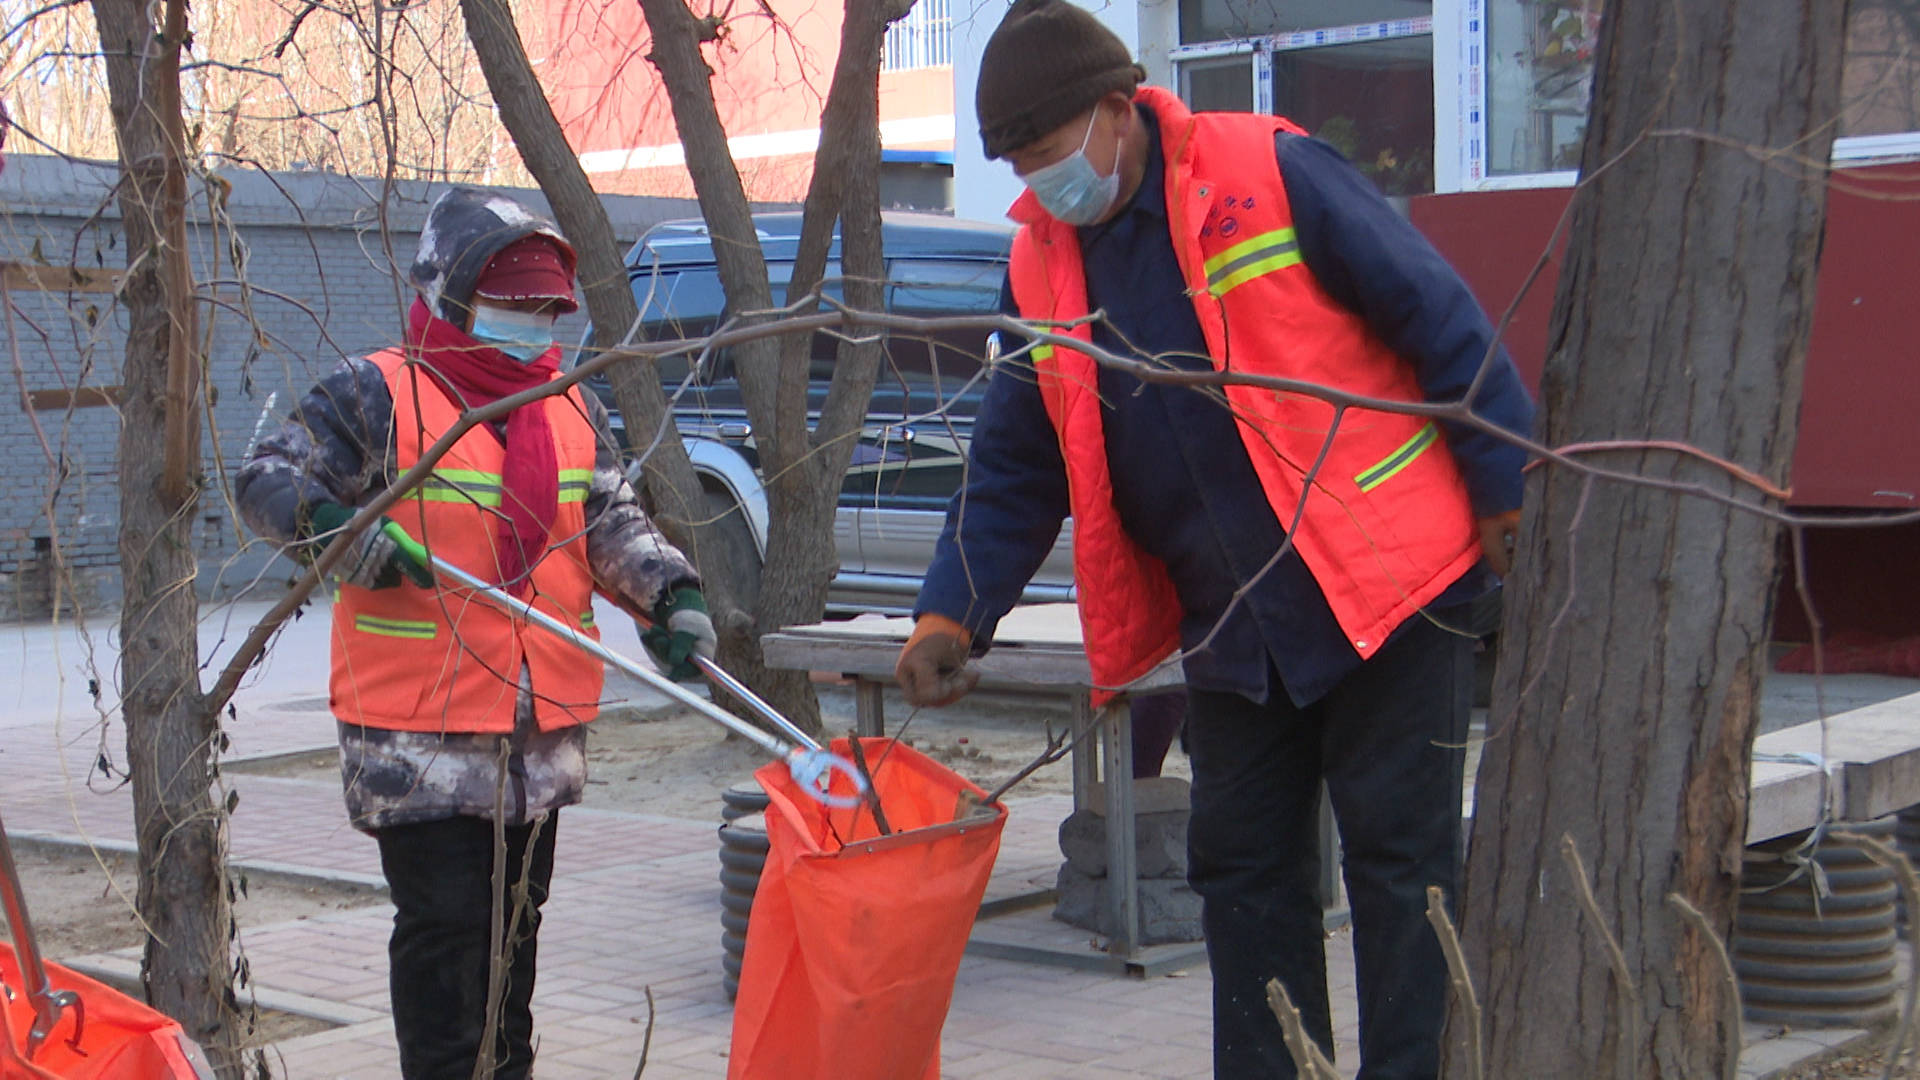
<point>1182,482</point>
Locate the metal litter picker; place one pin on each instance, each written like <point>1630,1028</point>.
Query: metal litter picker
<point>812,766</point>
<point>857,928</point>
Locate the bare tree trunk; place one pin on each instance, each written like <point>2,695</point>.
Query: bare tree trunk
<point>171,732</point>
<point>1632,654</point>
<point>802,467</point>
<point>603,275</point>
<point>670,479</point>
<point>845,186</point>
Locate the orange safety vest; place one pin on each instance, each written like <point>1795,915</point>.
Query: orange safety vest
<point>444,659</point>
<point>1386,526</point>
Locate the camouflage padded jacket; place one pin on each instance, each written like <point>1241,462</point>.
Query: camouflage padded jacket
<point>338,446</point>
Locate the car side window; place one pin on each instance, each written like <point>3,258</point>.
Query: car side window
<point>677,304</point>
<point>945,287</point>
<point>935,287</point>
<point>779,276</point>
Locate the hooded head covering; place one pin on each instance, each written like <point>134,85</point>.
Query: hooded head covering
<point>465,230</point>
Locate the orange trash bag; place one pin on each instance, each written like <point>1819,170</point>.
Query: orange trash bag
<point>119,1038</point>
<point>854,939</point>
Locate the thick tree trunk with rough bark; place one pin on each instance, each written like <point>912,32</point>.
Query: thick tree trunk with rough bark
<point>671,483</point>
<point>1632,654</point>
<point>172,733</point>
<point>802,466</point>
<point>845,186</point>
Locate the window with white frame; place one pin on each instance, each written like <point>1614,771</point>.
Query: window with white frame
<point>922,39</point>
<point>1356,73</point>
<point>1526,74</point>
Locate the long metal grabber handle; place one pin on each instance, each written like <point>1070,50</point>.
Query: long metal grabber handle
<point>754,701</point>
<point>47,1002</point>
<point>808,762</point>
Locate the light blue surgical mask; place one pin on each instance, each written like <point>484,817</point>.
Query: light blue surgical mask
<point>1071,189</point>
<point>523,335</point>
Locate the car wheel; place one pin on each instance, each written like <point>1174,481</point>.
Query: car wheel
<point>737,551</point>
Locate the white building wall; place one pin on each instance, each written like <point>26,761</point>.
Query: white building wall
<point>982,189</point>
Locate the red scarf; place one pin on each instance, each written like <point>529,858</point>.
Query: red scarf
<point>479,375</point>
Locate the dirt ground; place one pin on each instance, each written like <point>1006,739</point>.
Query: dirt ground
<point>667,761</point>
<point>674,762</point>
<point>1870,1060</point>
<point>81,903</point>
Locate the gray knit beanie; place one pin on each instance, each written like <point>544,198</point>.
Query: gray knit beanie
<point>1047,62</point>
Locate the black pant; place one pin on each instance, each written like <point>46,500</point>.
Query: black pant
<point>1156,723</point>
<point>440,874</point>
<point>1387,742</point>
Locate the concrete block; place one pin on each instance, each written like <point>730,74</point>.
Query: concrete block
<point>1169,908</point>
<point>1159,848</point>
<point>1151,795</point>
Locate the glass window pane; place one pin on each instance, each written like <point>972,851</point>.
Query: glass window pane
<point>1373,102</point>
<point>780,275</point>
<point>1881,83</point>
<point>1224,85</point>
<point>935,287</point>
<point>1220,20</point>
<point>1540,73</point>
<point>697,299</point>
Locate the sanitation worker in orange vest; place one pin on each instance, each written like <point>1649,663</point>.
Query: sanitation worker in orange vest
<point>453,714</point>
<point>1322,576</point>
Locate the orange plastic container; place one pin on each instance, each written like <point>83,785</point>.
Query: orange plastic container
<point>855,939</point>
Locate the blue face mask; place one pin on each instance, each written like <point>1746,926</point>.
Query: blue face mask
<point>523,335</point>
<point>1071,189</point>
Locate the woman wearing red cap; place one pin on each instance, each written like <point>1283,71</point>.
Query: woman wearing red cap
<point>451,712</point>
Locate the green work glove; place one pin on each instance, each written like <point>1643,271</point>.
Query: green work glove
<point>380,557</point>
<point>681,630</point>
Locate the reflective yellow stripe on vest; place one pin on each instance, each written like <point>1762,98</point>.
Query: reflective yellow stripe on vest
<point>459,485</point>
<point>574,484</point>
<point>1399,459</point>
<point>483,489</point>
<point>586,620</point>
<point>406,628</point>
<point>1249,259</point>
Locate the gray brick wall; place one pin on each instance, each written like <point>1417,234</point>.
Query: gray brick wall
<point>323,270</point>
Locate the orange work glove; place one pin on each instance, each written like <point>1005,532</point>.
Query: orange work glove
<point>932,669</point>
<point>1497,537</point>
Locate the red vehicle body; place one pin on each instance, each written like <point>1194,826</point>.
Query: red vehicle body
<point>1859,443</point>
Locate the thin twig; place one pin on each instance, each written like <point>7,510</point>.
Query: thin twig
<point>1629,1030</point>
<point>1903,872</point>
<point>1307,1057</point>
<point>1462,979</point>
<point>1729,982</point>
<point>483,1063</point>
<point>873,794</point>
<point>1057,747</point>
<point>646,1040</point>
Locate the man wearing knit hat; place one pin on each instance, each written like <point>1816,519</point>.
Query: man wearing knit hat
<point>1322,573</point>
<point>456,718</point>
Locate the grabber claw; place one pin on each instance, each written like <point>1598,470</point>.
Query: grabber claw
<point>813,770</point>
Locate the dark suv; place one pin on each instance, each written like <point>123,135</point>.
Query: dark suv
<point>911,457</point>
